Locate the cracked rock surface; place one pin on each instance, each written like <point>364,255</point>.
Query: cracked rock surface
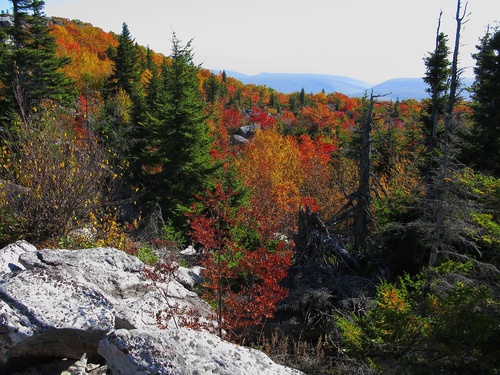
<point>93,311</point>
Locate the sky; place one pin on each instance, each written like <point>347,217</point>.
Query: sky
<point>369,40</point>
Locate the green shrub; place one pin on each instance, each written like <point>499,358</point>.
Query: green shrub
<point>147,255</point>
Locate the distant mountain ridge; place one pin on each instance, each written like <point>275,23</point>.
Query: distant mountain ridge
<point>292,82</point>
<point>410,88</point>
<point>392,89</point>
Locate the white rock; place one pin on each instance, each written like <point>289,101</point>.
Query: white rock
<point>189,277</point>
<point>183,351</point>
<point>120,277</point>
<point>190,250</point>
<point>9,256</point>
<point>65,303</point>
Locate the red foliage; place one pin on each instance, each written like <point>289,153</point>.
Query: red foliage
<point>242,283</point>
<point>319,117</point>
<point>317,151</point>
<point>259,116</point>
<point>231,118</point>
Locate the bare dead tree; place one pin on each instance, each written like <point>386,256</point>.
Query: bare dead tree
<point>435,95</point>
<point>362,213</point>
<point>461,19</point>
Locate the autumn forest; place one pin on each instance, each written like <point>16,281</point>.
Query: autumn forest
<point>337,234</point>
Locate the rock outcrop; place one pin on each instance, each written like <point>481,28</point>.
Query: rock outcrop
<point>97,306</point>
<point>182,351</point>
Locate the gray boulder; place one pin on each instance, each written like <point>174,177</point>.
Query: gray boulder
<point>237,140</point>
<point>9,257</point>
<point>183,351</point>
<point>87,308</point>
<point>248,131</point>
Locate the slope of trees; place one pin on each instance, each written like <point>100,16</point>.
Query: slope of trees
<point>143,155</point>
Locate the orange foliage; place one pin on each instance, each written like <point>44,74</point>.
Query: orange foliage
<point>259,116</point>
<point>318,117</point>
<point>343,102</point>
<point>288,118</point>
<point>86,46</point>
<point>231,118</point>
<point>271,167</point>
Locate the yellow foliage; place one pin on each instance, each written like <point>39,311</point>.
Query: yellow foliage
<point>271,166</point>
<point>391,298</point>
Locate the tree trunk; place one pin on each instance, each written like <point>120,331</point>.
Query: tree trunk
<point>362,213</point>
<point>455,74</point>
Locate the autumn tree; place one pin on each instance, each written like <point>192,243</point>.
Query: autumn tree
<point>51,179</point>
<point>271,167</point>
<point>241,280</point>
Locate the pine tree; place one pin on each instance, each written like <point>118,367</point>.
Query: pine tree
<point>32,69</point>
<point>126,73</point>
<point>212,88</point>
<point>125,106</point>
<point>437,77</point>
<point>179,139</point>
<point>153,84</point>
<point>483,151</point>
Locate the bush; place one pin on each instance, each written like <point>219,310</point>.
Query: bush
<point>454,329</point>
<point>53,178</point>
<point>147,255</point>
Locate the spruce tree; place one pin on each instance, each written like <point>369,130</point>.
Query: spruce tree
<point>437,76</point>
<point>483,151</point>
<point>32,69</point>
<point>126,73</point>
<point>153,84</point>
<point>212,89</point>
<point>179,139</point>
<point>125,106</point>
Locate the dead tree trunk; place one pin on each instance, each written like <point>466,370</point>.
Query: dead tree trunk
<point>435,97</point>
<point>362,211</point>
<point>441,188</point>
<point>455,72</point>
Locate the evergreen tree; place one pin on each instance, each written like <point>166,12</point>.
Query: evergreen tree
<point>483,151</point>
<point>126,73</point>
<point>125,106</point>
<point>437,77</point>
<point>179,139</point>
<point>212,88</point>
<point>32,71</point>
<point>302,97</point>
<point>153,85</point>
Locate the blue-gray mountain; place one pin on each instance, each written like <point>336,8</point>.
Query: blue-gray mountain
<point>393,89</point>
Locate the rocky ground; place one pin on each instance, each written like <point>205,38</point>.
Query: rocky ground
<point>93,311</point>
